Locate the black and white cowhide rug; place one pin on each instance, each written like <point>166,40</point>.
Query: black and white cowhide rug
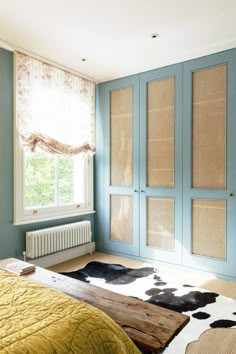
<point>206,309</point>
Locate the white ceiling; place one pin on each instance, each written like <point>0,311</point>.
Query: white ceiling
<point>115,36</point>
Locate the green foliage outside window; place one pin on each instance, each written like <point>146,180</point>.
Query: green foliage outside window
<point>48,180</point>
<point>66,172</point>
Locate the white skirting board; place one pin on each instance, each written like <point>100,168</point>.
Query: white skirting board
<point>62,256</point>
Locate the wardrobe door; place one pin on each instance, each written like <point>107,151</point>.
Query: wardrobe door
<point>210,164</point>
<point>121,166</point>
<point>161,164</point>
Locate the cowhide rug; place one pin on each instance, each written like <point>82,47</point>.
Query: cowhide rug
<point>206,309</point>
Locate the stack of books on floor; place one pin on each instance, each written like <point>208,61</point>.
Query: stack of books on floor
<point>20,267</point>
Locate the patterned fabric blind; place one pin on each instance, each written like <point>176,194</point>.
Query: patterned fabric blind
<point>54,108</point>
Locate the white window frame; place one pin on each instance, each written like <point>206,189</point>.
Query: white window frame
<point>23,216</point>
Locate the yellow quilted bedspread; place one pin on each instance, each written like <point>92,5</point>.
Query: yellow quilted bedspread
<point>37,320</point>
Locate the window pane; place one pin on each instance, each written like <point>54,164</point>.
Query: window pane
<point>66,180</point>
<point>52,181</point>
<point>80,179</point>
<point>39,180</point>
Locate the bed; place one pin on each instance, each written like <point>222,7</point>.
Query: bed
<point>37,319</point>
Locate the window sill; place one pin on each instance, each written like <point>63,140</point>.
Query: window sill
<point>50,218</point>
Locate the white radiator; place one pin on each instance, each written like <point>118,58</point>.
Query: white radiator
<point>54,239</point>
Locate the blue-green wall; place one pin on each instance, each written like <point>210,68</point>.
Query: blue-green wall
<point>12,238</point>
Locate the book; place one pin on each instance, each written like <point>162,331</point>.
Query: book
<point>20,267</point>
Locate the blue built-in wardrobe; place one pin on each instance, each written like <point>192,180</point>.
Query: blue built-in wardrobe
<point>165,167</point>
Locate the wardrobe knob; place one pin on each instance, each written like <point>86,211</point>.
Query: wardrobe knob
<point>231,194</point>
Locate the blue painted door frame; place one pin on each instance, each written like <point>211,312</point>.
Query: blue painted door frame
<point>146,251</point>
<point>228,265</point>
<point>114,245</point>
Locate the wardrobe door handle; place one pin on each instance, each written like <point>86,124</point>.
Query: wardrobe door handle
<point>231,194</point>
<point>135,191</point>
<point>142,191</point>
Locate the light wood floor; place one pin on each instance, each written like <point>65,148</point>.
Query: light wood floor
<point>169,272</point>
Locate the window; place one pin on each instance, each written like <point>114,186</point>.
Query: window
<point>54,142</point>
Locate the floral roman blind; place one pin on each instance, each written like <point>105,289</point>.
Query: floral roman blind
<point>54,108</point>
